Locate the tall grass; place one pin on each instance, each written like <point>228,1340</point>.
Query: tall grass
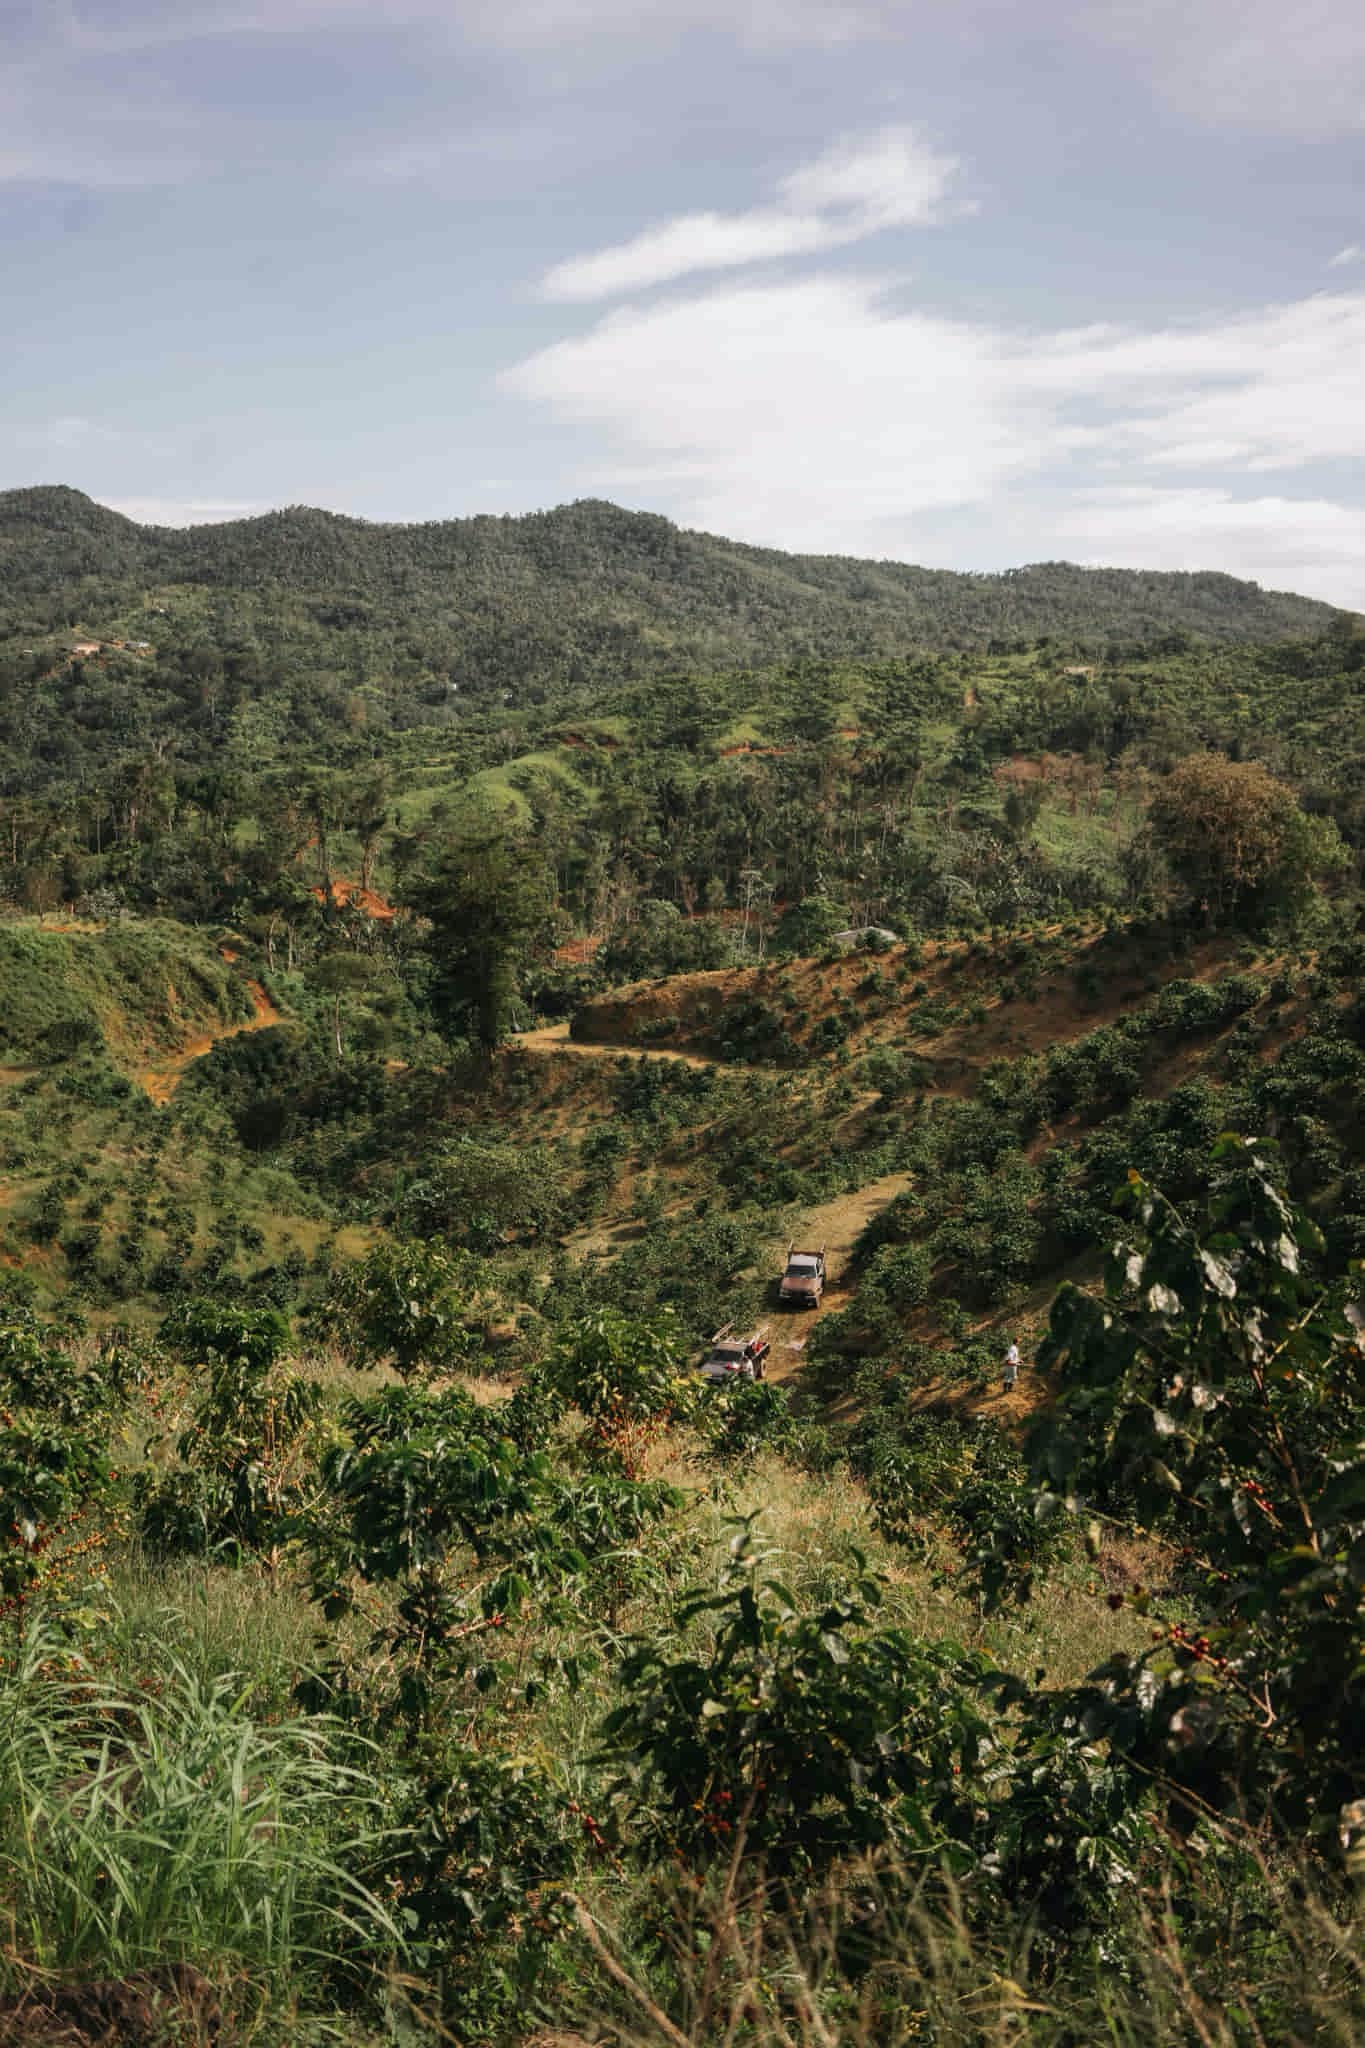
<point>146,1825</point>
<point>221,1619</point>
<point>886,1959</point>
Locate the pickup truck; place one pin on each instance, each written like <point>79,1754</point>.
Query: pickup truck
<point>803,1282</point>
<point>733,1357</point>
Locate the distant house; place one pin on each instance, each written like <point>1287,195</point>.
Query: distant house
<point>140,647</point>
<point>1086,672</point>
<point>81,648</point>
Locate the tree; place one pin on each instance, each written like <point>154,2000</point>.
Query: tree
<point>1221,1387</point>
<point>341,974</point>
<point>325,806</point>
<point>54,1465</point>
<point>402,1303</point>
<point>490,901</point>
<point>244,1460</point>
<point>627,1376</point>
<point>1235,837</point>
<point>369,797</point>
<point>481,1194</point>
<point>806,926</point>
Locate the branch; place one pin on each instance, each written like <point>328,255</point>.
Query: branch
<point>622,1977</point>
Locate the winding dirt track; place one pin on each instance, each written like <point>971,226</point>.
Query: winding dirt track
<point>161,1082</point>
<point>837,1225</point>
<point>555,1038</point>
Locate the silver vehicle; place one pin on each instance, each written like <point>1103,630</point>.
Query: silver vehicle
<point>732,1357</point>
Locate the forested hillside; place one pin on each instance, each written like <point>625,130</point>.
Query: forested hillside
<point>546,602</point>
<point>401,1639</point>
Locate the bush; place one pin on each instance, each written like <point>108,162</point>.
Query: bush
<point>794,1735</point>
<point>244,1460</point>
<point>743,1418</point>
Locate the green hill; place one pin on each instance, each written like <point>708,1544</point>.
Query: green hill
<point>589,589</point>
<point>136,989</point>
<point>352,1031</point>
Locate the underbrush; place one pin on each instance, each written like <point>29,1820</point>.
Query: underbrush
<point>892,1957</point>
<point>131,987</point>
<point>159,1821</point>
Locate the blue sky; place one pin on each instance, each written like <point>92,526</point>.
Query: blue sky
<point>967,284</point>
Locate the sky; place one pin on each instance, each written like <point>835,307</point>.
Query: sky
<point>970,283</point>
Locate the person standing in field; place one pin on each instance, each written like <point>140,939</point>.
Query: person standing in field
<point>1012,1364</point>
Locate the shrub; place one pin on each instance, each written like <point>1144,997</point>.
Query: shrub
<point>244,1460</point>
<point>795,1735</point>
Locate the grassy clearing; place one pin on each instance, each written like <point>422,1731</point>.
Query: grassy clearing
<point>257,1628</point>
<point>815,1523</point>
<point>133,987</point>
<point>556,765</point>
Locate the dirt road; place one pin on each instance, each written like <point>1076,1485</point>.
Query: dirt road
<point>555,1038</point>
<point>161,1082</point>
<point>837,1225</point>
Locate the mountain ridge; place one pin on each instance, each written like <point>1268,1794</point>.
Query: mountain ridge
<point>639,571</point>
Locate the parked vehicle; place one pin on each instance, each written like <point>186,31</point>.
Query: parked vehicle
<point>733,1357</point>
<point>803,1282</point>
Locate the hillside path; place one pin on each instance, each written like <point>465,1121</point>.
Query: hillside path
<point>837,1225</point>
<point>161,1082</point>
<point>555,1038</point>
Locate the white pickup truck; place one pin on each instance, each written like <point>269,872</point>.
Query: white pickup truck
<point>732,1357</point>
<point>803,1282</point>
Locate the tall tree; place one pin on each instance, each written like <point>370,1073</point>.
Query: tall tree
<point>487,893</point>
<point>1234,835</point>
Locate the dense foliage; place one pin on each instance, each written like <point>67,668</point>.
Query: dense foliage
<point>427,1017</point>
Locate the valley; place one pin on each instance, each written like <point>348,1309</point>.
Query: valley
<point>439,976</point>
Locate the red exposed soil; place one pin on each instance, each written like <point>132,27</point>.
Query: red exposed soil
<point>578,952</point>
<point>578,739</point>
<point>162,1082</point>
<point>349,895</point>
<point>554,1038</point>
<point>688,1011</point>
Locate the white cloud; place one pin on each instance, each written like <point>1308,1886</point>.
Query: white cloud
<point>1344,258</point>
<point>1312,545</point>
<point>183,511</point>
<point>817,414</point>
<point>862,185</point>
<point>694,241</point>
<point>1266,390</point>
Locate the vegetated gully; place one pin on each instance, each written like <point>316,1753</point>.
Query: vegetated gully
<point>837,1224</point>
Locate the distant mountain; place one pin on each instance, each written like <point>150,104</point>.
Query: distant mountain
<point>589,590</point>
